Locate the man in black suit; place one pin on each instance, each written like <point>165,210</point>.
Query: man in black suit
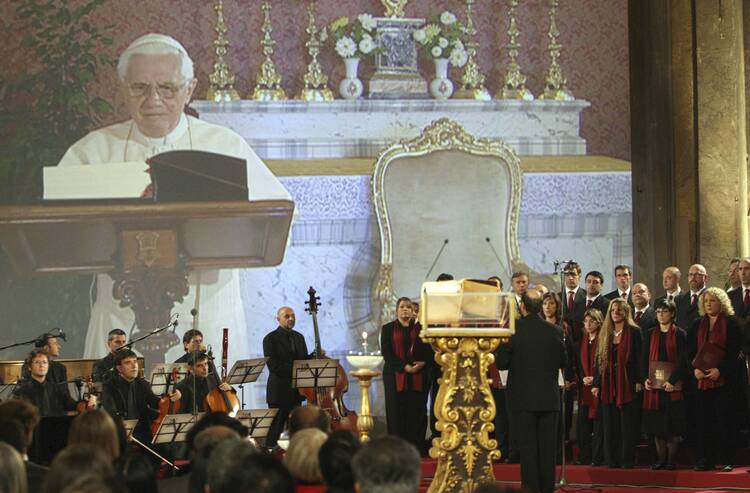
<point>594,298</point>
<point>573,297</point>
<point>104,369</point>
<point>623,276</point>
<point>643,313</point>
<point>740,296</point>
<point>282,347</point>
<point>533,358</point>
<point>687,302</point>
<point>670,281</point>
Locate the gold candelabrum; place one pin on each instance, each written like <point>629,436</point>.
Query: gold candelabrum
<point>365,421</point>
<point>221,79</point>
<point>268,86</point>
<point>315,81</point>
<point>472,80</point>
<point>394,8</point>
<point>555,84</point>
<point>514,83</point>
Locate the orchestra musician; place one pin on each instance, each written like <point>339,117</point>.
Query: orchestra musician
<point>198,370</point>
<point>104,368</point>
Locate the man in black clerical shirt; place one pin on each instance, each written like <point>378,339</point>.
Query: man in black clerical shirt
<point>104,368</point>
<point>129,396</point>
<point>198,370</point>
<point>282,347</point>
<point>51,398</point>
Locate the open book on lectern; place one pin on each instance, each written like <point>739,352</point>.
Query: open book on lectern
<point>173,176</point>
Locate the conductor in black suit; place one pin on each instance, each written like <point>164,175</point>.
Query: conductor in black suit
<point>282,347</point>
<point>533,358</point>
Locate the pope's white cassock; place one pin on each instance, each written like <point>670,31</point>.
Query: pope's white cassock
<point>220,301</point>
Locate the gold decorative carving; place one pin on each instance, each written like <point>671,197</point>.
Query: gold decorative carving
<point>440,135</point>
<point>465,411</point>
<point>268,87</point>
<point>221,79</point>
<point>514,83</point>
<point>148,248</point>
<point>394,8</point>
<point>555,83</point>
<point>316,82</point>
<point>472,80</point>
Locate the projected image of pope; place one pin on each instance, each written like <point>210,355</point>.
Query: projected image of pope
<point>157,81</point>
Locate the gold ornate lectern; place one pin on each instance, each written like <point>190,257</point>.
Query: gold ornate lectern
<point>147,248</point>
<point>465,321</point>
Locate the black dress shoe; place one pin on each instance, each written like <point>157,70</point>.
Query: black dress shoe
<point>599,464</point>
<point>669,466</point>
<point>627,466</point>
<point>703,467</point>
<point>727,468</point>
<point>657,466</point>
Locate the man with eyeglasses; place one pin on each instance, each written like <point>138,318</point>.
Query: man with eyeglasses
<point>687,302</point>
<point>157,81</point>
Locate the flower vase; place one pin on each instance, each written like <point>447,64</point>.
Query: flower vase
<point>441,86</point>
<point>351,87</point>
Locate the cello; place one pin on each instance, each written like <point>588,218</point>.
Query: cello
<point>218,400</point>
<point>166,405</point>
<point>329,398</point>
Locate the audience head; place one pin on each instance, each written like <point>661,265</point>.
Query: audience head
<point>665,311</point>
<point>214,419</point>
<point>192,340</point>
<point>312,416</point>
<point>623,275</point>
<point>235,466</point>
<point>670,278</point>
<point>572,273</point>
<point>531,302</point>
<point>126,364</point>
<point>335,458</point>
<point>204,444</point>
<point>139,474</point>
<point>551,307</point>
<point>594,283</point>
<point>96,427</point>
<point>387,465</point>
<point>12,470</point>
<point>74,461</point>
<point>519,281</point>
<point>301,458</point>
<point>116,339</point>
<point>641,296</point>
<point>715,301</point>
<point>444,277</point>
<point>12,433</point>
<point>93,483</point>
<point>25,413</point>
<point>403,310</point>
<point>697,277</point>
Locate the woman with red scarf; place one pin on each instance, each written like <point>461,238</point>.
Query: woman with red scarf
<point>719,329</point>
<point>405,378</point>
<point>663,407</point>
<point>616,383</point>
<point>588,426</point>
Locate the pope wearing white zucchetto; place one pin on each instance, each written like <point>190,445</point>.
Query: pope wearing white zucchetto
<point>156,76</point>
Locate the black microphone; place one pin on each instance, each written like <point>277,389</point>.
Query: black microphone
<point>60,334</point>
<point>440,252</point>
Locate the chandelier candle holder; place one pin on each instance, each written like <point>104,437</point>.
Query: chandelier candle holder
<point>555,84</point>
<point>221,79</point>
<point>315,81</point>
<point>268,86</point>
<point>367,367</point>
<point>514,83</point>
<point>472,80</point>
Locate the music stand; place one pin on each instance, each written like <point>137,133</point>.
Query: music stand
<point>314,373</point>
<point>174,427</point>
<point>245,371</point>
<point>258,421</point>
<point>6,391</point>
<point>162,372</point>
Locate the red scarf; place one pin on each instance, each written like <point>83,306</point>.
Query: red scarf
<point>718,337</point>
<point>402,380</point>
<point>588,359</point>
<point>651,397</point>
<point>616,390</point>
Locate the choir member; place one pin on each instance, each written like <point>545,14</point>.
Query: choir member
<point>618,383</point>
<point>573,297</point>
<point>623,276</point>
<point>664,407</point>
<point>104,368</point>
<point>589,424</point>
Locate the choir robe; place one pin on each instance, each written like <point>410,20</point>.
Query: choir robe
<point>220,296</point>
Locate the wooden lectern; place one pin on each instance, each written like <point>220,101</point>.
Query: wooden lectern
<point>147,248</point>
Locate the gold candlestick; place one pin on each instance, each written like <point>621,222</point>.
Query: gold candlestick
<point>221,80</point>
<point>555,84</point>
<point>394,8</point>
<point>514,84</point>
<point>365,422</point>
<point>268,87</point>
<point>472,80</point>
<point>316,82</point>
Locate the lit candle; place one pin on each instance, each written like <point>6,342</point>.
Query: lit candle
<point>364,342</point>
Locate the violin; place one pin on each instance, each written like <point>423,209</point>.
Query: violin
<point>86,395</point>
<point>218,400</point>
<point>166,405</point>
<point>331,398</point>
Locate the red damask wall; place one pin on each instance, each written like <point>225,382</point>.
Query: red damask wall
<point>593,34</point>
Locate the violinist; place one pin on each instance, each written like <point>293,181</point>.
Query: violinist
<point>51,398</point>
<point>192,340</point>
<point>198,370</point>
<point>104,368</point>
<point>282,346</point>
<point>129,396</point>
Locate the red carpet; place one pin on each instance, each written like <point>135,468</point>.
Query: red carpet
<point>587,478</point>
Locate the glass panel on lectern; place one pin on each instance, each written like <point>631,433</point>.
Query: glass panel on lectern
<point>467,303</point>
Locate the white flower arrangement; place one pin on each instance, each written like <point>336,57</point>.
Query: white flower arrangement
<point>442,38</point>
<point>353,39</point>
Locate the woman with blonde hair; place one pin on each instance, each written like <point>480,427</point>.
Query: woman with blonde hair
<point>96,427</point>
<point>715,332</point>
<point>588,428</point>
<point>12,470</point>
<point>617,383</point>
<point>301,458</point>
